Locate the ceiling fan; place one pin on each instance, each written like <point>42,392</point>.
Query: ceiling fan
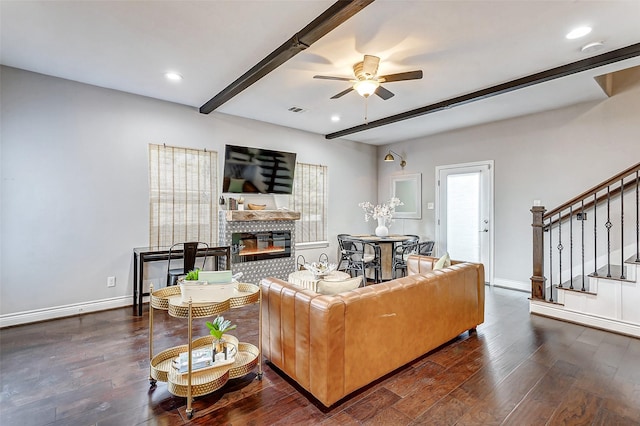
<point>367,83</point>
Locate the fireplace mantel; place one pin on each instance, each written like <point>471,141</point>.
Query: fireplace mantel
<point>252,215</point>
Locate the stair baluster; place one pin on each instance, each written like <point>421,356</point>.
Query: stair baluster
<point>582,240</point>
<point>595,234</point>
<point>637,221</point>
<point>608,225</point>
<point>560,247</point>
<point>571,247</point>
<point>550,260</point>
<point>622,268</point>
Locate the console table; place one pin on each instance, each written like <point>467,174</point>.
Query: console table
<point>141,255</point>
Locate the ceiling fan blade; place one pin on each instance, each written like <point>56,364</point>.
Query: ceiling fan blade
<point>409,75</point>
<point>370,65</point>
<point>341,94</point>
<point>328,77</point>
<point>384,93</point>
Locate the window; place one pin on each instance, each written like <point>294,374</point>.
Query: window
<point>310,199</point>
<point>182,195</point>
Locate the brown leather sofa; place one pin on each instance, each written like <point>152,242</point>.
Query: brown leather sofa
<point>334,345</point>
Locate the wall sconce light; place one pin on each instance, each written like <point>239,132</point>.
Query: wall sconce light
<point>390,157</point>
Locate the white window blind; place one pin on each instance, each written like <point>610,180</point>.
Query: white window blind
<point>182,195</point>
<point>310,199</point>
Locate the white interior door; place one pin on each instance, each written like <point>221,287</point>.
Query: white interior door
<point>464,216</point>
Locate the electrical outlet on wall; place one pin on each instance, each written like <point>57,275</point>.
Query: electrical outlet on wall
<point>111,281</point>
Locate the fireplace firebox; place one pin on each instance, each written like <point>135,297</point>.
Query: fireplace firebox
<point>260,245</point>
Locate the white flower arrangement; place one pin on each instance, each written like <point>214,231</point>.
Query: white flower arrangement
<point>385,210</point>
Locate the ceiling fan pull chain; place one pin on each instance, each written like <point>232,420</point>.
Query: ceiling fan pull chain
<point>366,110</point>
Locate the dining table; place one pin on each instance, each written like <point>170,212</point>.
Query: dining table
<point>387,248</point>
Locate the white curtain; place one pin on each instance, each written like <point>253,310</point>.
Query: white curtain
<point>182,195</point>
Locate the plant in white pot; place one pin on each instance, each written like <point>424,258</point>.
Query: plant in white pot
<point>217,328</point>
<point>192,276</point>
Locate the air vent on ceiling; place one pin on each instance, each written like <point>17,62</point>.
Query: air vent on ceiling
<point>297,109</point>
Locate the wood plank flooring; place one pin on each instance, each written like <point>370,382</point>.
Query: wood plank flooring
<point>518,369</point>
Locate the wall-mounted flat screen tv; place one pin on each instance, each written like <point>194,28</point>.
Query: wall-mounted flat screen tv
<point>256,170</point>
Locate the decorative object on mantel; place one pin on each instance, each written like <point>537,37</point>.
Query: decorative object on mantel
<point>382,212</point>
<point>256,206</point>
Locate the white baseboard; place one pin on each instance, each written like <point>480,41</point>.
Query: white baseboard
<point>516,285</point>
<point>557,311</point>
<point>45,314</point>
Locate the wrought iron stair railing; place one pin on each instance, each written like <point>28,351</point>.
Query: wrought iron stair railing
<point>565,253</point>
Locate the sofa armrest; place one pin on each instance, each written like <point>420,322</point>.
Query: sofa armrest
<point>303,335</point>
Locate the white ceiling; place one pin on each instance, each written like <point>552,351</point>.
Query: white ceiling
<point>461,46</point>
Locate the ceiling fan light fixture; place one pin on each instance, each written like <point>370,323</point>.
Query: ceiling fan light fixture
<point>366,88</point>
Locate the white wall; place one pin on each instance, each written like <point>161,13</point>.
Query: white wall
<point>551,156</point>
<point>75,185</point>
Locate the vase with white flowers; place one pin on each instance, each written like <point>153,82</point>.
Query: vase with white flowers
<point>383,213</point>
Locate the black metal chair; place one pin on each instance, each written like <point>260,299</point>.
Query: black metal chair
<point>425,248</point>
<point>361,256</point>
<point>402,252</point>
<point>189,253</point>
<point>343,258</point>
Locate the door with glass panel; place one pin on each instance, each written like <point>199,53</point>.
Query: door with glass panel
<point>464,215</point>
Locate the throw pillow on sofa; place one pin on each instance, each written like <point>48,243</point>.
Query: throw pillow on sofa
<point>443,262</point>
<point>335,287</point>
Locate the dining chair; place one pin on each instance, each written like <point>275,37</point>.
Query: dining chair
<point>343,258</point>
<point>361,256</point>
<point>425,248</point>
<point>189,254</point>
<point>402,252</point>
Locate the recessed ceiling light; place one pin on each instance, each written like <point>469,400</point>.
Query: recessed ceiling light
<point>173,76</point>
<point>335,118</point>
<point>592,47</point>
<point>578,32</point>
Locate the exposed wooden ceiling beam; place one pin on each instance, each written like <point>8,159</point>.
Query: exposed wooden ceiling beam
<point>520,83</point>
<point>331,18</point>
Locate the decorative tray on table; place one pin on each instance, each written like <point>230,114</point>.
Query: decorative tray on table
<point>320,269</point>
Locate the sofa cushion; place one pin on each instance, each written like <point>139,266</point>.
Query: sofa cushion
<point>443,262</point>
<point>335,287</point>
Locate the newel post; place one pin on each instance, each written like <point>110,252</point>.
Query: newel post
<point>537,279</point>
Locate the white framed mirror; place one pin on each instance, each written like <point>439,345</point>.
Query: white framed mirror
<point>408,188</point>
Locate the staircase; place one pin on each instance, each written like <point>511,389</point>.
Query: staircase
<point>586,257</point>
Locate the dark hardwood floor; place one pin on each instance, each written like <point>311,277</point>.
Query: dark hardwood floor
<point>518,369</point>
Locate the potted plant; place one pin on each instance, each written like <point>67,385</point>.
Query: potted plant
<point>192,275</point>
<point>217,328</point>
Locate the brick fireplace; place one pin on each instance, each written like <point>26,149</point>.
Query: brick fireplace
<point>262,242</point>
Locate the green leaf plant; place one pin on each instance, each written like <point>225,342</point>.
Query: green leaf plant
<point>192,275</point>
<point>219,326</point>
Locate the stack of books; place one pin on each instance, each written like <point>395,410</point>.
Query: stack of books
<point>200,358</point>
